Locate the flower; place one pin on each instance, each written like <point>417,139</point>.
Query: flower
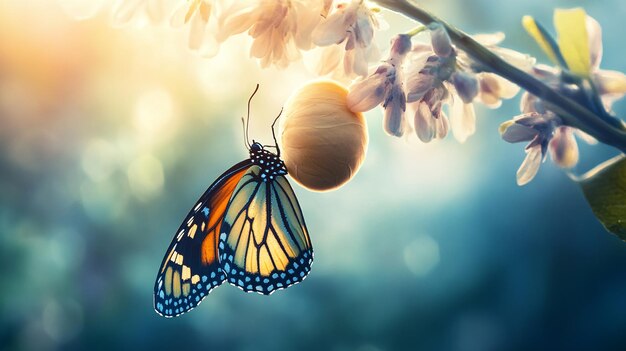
<point>546,132</point>
<point>493,88</point>
<point>385,86</point>
<point>348,34</point>
<point>200,18</point>
<point>436,75</point>
<point>578,52</point>
<point>437,81</point>
<point>536,128</point>
<point>279,28</point>
<point>544,128</point>
<point>450,77</point>
<point>576,63</point>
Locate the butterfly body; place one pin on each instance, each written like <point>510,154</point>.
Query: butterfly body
<point>246,229</point>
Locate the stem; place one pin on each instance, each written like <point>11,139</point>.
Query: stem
<point>572,113</point>
<point>415,31</point>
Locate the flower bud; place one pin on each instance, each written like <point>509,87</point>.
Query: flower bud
<point>424,122</point>
<point>466,86</point>
<point>530,166</point>
<point>563,148</point>
<point>400,45</point>
<point>514,132</point>
<point>440,40</point>
<point>493,88</point>
<point>393,118</point>
<point>323,142</point>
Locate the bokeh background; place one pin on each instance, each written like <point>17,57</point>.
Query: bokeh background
<point>108,136</point>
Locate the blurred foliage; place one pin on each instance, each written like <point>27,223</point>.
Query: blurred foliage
<point>605,189</point>
<point>109,136</point>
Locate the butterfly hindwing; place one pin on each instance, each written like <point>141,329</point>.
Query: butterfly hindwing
<point>191,267</point>
<point>264,243</point>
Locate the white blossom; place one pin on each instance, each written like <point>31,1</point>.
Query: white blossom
<point>199,18</point>
<point>555,137</point>
<point>385,87</point>
<point>542,128</point>
<point>348,35</point>
<point>539,130</point>
<point>279,28</point>
<point>450,74</point>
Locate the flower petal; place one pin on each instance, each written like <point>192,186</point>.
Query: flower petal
<point>363,28</point>
<point>393,119</point>
<point>531,104</point>
<point>610,82</point>
<point>493,88</point>
<point>367,93</point>
<point>440,40</point>
<point>400,46</point>
<point>466,85</point>
<point>197,28</point>
<point>520,60</point>
<point>441,126</point>
<point>124,10</point>
<point>418,85</point>
<point>308,17</point>
<point>563,148</point>
<point>348,63</point>
<point>237,18</point>
<point>571,26</point>
<point>462,120</point>
<point>489,39</point>
<point>158,10</point>
<point>359,65</point>
<point>530,166</point>
<point>514,133</point>
<point>332,30</point>
<point>595,42</point>
<point>395,106</point>
<point>209,46</point>
<point>424,122</point>
<point>179,17</point>
<point>327,59</point>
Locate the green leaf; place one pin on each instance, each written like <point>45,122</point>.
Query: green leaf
<point>605,190</point>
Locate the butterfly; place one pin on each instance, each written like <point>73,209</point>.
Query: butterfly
<point>247,229</point>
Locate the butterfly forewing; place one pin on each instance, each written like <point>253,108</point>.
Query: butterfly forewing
<point>191,267</point>
<point>264,243</point>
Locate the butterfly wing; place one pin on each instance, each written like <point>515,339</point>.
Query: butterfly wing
<point>264,243</point>
<point>191,268</point>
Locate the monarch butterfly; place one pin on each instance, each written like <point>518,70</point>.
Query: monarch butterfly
<point>247,228</point>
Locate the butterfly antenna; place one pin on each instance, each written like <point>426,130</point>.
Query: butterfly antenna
<point>247,124</point>
<point>274,132</point>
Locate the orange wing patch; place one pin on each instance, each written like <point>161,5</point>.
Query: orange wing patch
<point>218,206</point>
